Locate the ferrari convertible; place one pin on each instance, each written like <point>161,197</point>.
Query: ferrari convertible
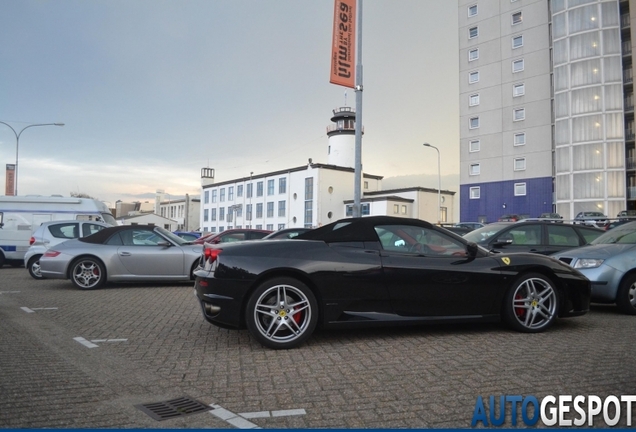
<point>379,270</point>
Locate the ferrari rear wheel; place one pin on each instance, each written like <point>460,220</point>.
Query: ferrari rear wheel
<point>88,273</point>
<point>626,296</point>
<point>531,304</point>
<point>282,313</point>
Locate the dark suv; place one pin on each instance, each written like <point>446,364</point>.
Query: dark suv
<point>537,236</point>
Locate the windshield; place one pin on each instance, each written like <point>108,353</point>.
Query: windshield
<point>623,234</point>
<point>109,219</point>
<point>481,235</point>
<point>173,237</point>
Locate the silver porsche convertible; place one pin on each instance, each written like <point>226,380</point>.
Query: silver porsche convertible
<point>129,253</point>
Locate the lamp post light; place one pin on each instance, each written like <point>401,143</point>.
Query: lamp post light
<point>17,145</point>
<point>439,184</point>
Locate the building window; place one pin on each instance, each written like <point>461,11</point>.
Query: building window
<point>270,209</point>
<point>473,32</point>
<point>205,215</point>
<point>475,192</point>
<point>259,210</point>
<point>519,114</point>
<point>396,208</point>
<point>473,77</point>
<point>222,195</point>
<point>248,212</point>
<point>221,213</point>
<point>309,214</point>
<point>366,185</point>
<point>258,226</point>
<point>309,203</point>
<point>403,209</point>
<point>365,209</point>
<point>473,123</point>
<point>214,195</point>
<point>239,191</point>
<point>473,99</point>
<point>309,188</point>
<point>206,198</point>
<point>270,227</point>
<point>230,193</point>
<point>474,146</point>
<point>516,18</point>
<point>281,226</point>
<point>281,208</point>
<point>259,189</point>
<point>474,169</point>
<point>473,54</point>
<point>520,189</point>
<point>270,187</point>
<point>213,215</point>
<point>520,164</point>
<point>239,211</point>
<point>518,90</point>
<point>520,139</point>
<point>230,215</point>
<point>472,10</point>
<point>517,66</point>
<point>282,185</point>
<point>249,191</point>
<point>517,42</point>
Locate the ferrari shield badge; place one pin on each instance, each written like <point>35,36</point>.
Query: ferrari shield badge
<point>506,260</point>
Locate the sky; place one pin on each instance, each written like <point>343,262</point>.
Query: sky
<point>151,91</point>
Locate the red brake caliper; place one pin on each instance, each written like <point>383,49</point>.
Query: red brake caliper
<point>519,311</point>
<point>298,317</point>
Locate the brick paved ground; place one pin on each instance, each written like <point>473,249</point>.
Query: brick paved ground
<point>389,378</point>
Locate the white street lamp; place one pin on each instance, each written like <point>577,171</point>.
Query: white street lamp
<point>439,184</point>
<point>17,146</point>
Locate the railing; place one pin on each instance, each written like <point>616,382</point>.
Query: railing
<point>625,21</point>
<point>626,47</point>
<point>630,163</point>
<point>631,192</point>
<point>628,76</point>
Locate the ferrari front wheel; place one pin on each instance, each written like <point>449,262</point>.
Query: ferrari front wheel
<point>531,304</point>
<point>282,313</point>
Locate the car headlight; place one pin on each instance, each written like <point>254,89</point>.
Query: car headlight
<point>586,263</point>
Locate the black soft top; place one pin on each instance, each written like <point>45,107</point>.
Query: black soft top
<point>101,236</point>
<point>357,229</point>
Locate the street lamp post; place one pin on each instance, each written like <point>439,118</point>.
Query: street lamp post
<point>439,184</point>
<point>17,146</point>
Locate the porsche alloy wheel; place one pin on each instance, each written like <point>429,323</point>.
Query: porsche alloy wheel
<point>282,313</point>
<point>88,273</point>
<point>531,304</point>
<point>626,296</point>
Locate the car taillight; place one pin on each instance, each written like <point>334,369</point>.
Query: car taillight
<point>31,241</point>
<point>51,253</point>
<point>211,255</point>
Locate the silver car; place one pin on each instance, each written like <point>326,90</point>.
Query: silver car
<point>129,253</point>
<point>609,262</point>
<point>52,233</point>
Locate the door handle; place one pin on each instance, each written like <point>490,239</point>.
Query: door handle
<point>125,254</point>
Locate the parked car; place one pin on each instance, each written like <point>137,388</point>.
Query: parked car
<point>471,225</point>
<point>188,235</point>
<point>379,270</point>
<point>459,230</point>
<point>232,235</point>
<point>550,216</point>
<point>50,234</point>
<point>596,219</point>
<point>610,263</point>
<point>126,253</point>
<point>627,214</point>
<point>541,237</point>
<point>615,223</point>
<point>509,218</point>
<point>285,233</point>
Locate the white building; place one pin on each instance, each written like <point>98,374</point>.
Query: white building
<point>312,195</point>
<point>148,219</point>
<point>185,211</point>
<point>546,107</point>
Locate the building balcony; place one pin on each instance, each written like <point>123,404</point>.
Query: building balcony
<point>630,163</point>
<point>628,76</point>
<point>626,48</point>
<point>631,192</point>
<point>625,21</point>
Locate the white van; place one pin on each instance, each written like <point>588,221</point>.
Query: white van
<point>21,215</point>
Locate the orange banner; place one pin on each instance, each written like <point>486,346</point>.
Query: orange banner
<point>344,43</point>
<point>9,184</point>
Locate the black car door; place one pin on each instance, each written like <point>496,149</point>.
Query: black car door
<point>524,237</point>
<point>427,273</point>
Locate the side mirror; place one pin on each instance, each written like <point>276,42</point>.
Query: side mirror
<point>164,244</point>
<point>503,241</point>
<point>472,249</point>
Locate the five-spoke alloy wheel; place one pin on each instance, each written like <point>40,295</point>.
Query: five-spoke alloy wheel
<point>34,267</point>
<point>88,273</point>
<point>531,303</point>
<point>282,313</point>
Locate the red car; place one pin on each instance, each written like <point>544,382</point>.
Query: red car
<point>510,218</point>
<point>232,235</point>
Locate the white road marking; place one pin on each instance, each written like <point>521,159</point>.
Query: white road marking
<point>51,308</point>
<point>27,310</point>
<point>267,414</point>
<point>85,342</point>
<point>32,310</point>
<point>233,419</point>
<point>9,292</point>
<point>108,340</point>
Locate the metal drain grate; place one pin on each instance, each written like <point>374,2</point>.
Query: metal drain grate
<point>173,408</point>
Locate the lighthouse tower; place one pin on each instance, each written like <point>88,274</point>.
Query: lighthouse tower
<point>342,137</point>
